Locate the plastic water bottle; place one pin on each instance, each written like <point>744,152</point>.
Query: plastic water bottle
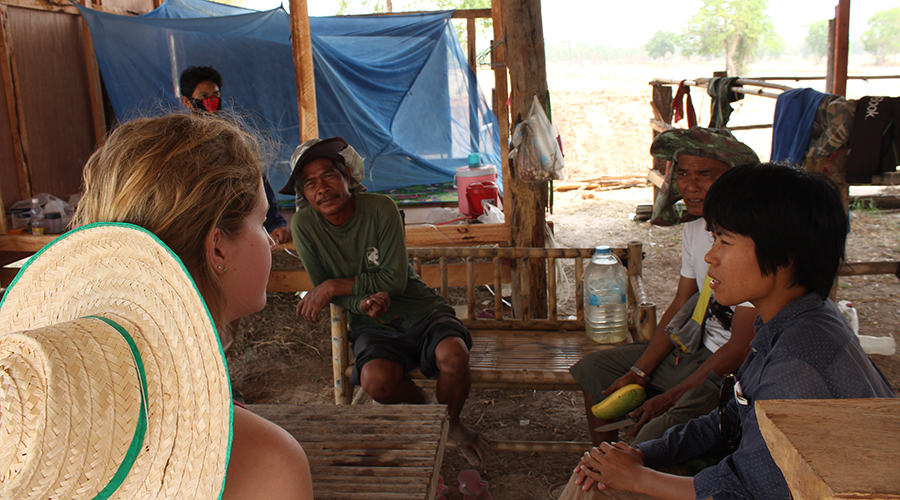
<point>605,316</point>
<point>36,217</point>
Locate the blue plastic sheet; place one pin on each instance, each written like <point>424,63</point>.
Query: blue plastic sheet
<point>397,87</point>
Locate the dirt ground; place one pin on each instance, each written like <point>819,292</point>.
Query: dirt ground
<point>602,113</point>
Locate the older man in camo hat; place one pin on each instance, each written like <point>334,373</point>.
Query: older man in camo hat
<point>679,385</point>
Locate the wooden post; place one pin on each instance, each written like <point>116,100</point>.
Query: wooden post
<point>662,111</point>
<point>14,105</point>
<point>526,201</point>
<point>829,59</point>
<point>501,106</point>
<point>303,68</point>
<point>841,46</point>
<point>93,75</point>
<point>470,45</point>
<point>340,355</point>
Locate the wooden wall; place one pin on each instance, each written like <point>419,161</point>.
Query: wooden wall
<point>47,123</point>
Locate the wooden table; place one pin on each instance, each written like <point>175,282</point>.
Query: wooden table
<point>835,448</point>
<point>367,451</point>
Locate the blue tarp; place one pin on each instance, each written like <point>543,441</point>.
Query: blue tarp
<point>397,87</point>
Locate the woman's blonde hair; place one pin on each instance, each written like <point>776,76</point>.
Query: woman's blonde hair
<point>180,177</point>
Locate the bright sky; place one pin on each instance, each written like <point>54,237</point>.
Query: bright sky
<point>627,24</point>
<point>633,23</point>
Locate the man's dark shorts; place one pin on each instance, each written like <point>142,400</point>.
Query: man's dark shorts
<point>411,349</point>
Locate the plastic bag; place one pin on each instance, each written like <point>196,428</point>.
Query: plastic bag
<point>537,152</point>
<point>444,215</point>
<point>491,215</point>
<point>49,203</point>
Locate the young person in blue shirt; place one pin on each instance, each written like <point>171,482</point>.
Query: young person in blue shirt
<point>779,242</point>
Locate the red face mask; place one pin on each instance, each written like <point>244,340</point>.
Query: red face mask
<point>211,104</point>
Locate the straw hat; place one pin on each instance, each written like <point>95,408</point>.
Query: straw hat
<point>113,383</point>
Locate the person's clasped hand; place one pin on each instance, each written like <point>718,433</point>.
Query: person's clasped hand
<point>376,304</point>
<point>610,465</point>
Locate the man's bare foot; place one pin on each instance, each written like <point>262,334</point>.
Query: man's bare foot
<point>473,445</point>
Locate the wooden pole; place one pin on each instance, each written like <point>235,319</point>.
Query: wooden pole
<point>471,36</point>
<point>303,68</point>
<point>10,74</point>
<point>93,75</point>
<point>841,46</point>
<point>662,111</point>
<point>501,90</point>
<point>527,201</point>
<point>829,60</point>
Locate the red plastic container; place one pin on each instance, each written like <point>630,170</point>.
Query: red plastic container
<point>478,191</point>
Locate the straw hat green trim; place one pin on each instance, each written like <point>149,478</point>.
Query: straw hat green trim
<point>178,443</point>
<point>139,430</point>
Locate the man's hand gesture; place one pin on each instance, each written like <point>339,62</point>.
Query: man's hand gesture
<point>376,304</point>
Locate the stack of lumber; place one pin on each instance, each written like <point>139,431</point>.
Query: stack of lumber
<point>605,183</point>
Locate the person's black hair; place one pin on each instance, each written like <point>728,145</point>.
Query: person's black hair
<point>196,74</point>
<point>793,217</point>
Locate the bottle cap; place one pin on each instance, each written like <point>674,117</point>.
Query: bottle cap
<point>474,160</point>
<point>602,250</point>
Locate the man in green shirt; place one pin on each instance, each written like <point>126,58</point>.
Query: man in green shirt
<point>353,245</point>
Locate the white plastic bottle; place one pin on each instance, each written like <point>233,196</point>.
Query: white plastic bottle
<point>605,315</point>
<point>36,217</point>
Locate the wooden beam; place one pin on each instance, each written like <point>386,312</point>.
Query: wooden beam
<point>457,14</point>
<point>24,242</point>
<point>64,7</point>
<point>471,36</point>
<point>294,280</point>
<point>458,235</point>
<point>14,104</point>
<point>841,46</point>
<point>527,201</point>
<point>303,68</point>
<point>501,90</point>
<point>94,88</point>
<point>46,5</point>
<point>829,59</point>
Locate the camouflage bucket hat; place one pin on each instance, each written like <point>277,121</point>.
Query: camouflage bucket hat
<point>717,144</point>
<point>336,149</point>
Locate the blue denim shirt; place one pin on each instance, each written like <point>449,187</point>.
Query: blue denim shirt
<point>807,351</point>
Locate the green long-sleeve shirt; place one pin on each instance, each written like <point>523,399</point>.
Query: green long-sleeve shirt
<point>370,247</point>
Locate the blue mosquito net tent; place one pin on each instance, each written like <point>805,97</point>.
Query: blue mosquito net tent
<point>397,87</point>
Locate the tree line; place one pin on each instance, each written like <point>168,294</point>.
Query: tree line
<point>741,30</point>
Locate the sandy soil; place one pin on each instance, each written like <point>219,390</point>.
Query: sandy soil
<point>603,114</point>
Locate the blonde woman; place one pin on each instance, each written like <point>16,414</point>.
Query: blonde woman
<point>196,183</point>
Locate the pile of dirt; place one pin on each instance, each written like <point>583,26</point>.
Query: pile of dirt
<point>281,358</point>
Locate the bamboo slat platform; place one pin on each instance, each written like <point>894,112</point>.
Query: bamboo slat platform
<point>522,351</point>
<point>367,452</point>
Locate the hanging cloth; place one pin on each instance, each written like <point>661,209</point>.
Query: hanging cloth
<point>795,111</point>
<point>719,89</point>
<point>678,105</point>
<point>873,141</point>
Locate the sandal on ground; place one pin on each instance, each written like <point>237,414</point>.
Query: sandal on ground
<point>473,487</point>
<point>441,489</point>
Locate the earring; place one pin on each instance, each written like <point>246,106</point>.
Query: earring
<point>220,268</point>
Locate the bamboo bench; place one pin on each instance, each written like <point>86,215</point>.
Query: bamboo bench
<point>521,352</point>
<point>367,452</point>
